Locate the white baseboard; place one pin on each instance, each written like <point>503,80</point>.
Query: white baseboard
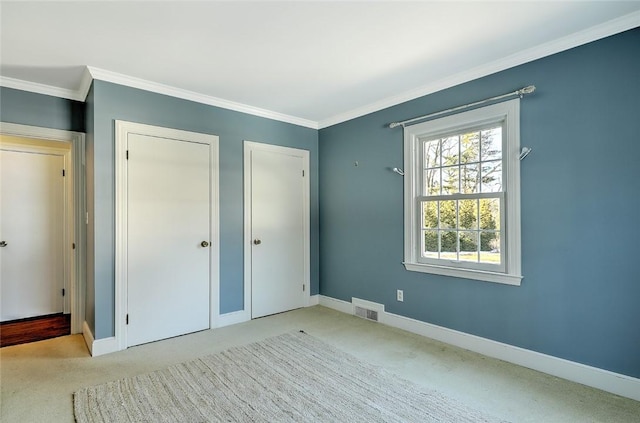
<point>340,305</point>
<point>232,318</point>
<point>241,316</point>
<point>615,383</point>
<point>99,346</point>
<point>104,346</point>
<point>88,336</point>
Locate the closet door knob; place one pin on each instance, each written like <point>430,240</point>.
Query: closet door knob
<point>257,242</point>
<point>204,244</point>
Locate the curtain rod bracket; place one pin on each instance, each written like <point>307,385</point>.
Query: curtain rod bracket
<point>524,152</point>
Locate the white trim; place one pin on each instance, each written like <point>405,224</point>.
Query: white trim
<point>606,29</point>
<point>232,318</point>
<point>130,81</point>
<point>88,336</point>
<point>242,316</point>
<point>615,383</point>
<point>576,39</point>
<point>85,84</point>
<point>478,275</point>
<point>99,346</point>
<point>35,87</point>
<point>214,255</point>
<point>249,146</point>
<point>507,112</point>
<point>122,131</point>
<point>74,219</point>
<point>336,304</point>
<point>104,346</point>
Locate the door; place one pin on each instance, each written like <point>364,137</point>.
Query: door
<point>31,234</point>
<point>168,238</point>
<point>277,232</point>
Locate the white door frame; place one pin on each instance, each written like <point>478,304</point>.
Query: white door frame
<point>75,229</point>
<point>250,146</point>
<point>122,131</point>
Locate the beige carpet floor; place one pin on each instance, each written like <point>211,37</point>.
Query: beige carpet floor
<point>37,380</point>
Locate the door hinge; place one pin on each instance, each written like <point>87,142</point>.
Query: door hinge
<point>73,245</point>
<point>127,154</point>
<point>303,287</point>
<point>63,173</point>
<point>63,292</point>
<point>127,319</point>
<point>303,173</point>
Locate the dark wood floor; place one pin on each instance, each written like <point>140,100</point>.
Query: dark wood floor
<point>34,329</point>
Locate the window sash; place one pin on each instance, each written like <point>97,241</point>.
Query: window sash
<point>419,227</point>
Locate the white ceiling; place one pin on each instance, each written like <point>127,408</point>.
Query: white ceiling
<point>313,63</point>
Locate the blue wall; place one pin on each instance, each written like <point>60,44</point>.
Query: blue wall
<point>114,102</point>
<point>33,109</point>
<point>579,299</point>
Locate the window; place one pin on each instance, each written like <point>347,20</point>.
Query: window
<point>462,195</point>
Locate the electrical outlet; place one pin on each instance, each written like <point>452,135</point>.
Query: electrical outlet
<point>400,295</point>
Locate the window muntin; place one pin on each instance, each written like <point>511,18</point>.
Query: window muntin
<point>462,198</point>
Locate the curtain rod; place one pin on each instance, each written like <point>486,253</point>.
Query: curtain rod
<point>521,93</point>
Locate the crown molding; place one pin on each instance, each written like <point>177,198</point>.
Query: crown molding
<point>85,84</point>
<point>38,88</point>
<point>594,33</point>
<point>576,39</point>
<point>129,81</point>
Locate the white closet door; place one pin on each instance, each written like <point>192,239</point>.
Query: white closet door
<point>168,232</point>
<point>277,216</point>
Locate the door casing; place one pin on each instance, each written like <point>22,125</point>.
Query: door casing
<point>122,131</point>
<point>250,146</point>
<point>75,206</point>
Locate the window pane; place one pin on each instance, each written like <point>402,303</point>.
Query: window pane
<point>450,180</point>
<point>430,246</point>
<point>449,245</point>
<point>469,246</point>
<point>470,147</point>
<point>468,214</point>
<point>490,247</point>
<point>491,144</point>
<point>469,179</point>
<point>430,214</point>
<point>447,216</point>
<point>432,153</point>
<point>450,151</point>
<point>492,176</point>
<point>489,213</point>
<point>432,181</point>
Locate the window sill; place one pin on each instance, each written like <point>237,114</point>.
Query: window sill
<point>465,273</point>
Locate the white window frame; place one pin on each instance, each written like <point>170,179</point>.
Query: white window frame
<point>507,112</point>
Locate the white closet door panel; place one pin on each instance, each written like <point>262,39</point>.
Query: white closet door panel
<point>277,199</point>
<point>168,219</point>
